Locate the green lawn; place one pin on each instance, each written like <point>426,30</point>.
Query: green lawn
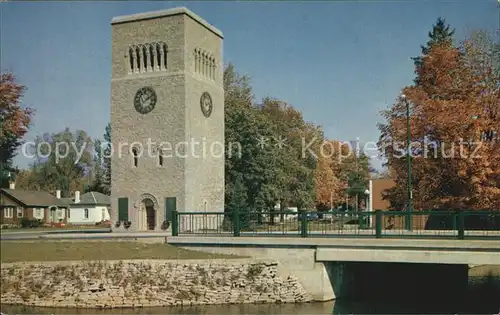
<point>49,229</point>
<point>12,251</point>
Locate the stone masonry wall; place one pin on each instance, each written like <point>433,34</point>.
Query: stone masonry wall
<point>147,283</point>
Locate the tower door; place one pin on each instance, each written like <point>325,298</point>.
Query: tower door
<point>150,214</point>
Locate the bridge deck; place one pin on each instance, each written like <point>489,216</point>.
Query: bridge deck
<point>477,252</point>
<point>338,242</point>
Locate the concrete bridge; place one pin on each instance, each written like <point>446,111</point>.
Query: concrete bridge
<point>330,267</point>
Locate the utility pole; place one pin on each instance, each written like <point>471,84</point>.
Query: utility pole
<point>409,224</point>
<point>347,203</point>
<point>331,200</point>
<point>357,176</point>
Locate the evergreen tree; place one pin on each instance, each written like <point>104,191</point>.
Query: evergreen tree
<point>101,171</point>
<point>356,172</point>
<point>106,157</point>
<point>441,34</point>
<point>97,170</point>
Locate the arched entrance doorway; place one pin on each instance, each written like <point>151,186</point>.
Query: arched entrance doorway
<point>150,210</point>
<point>53,214</point>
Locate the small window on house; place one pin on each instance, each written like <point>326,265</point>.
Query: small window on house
<point>38,213</point>
<point>86,213</point>
<point>8,212</point>
<point>20,212</point>
<point>68,213</point>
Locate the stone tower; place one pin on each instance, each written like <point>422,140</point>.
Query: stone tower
<point>167,118</point>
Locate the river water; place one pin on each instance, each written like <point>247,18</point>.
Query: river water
<point>482,297</point>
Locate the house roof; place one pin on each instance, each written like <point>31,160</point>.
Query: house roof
<point>93,198</point>
<point>44,199</point>
<point>66,201</point>
<point>32,198</point>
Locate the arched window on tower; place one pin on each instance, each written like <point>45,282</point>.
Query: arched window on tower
<point>199,61</point>
<point>209,67</point>
<point>138,56</point>
<point>164,55</point>
<point>212,68</point>
<point>158,55</point>
<point>196,60</point>
<point>151,58</point>
<point>160,157</point>
<point>135,154</point>
<point>131,58</point>
<point>204,63</point>
<point>145,58</point>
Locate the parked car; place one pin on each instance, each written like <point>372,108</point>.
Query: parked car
<point>310,216</point>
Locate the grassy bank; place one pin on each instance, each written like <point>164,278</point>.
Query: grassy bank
<point>12,251</point>
<point>485,271</point>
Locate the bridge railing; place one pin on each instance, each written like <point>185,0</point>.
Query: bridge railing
<point>376,224</point>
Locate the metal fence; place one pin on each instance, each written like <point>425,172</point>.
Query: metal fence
<point>375,224</point>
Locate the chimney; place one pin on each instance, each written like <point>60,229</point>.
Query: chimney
<point>77,196</point>
<point>12,181</point>
<point>58,194</point>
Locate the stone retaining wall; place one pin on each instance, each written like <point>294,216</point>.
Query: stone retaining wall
<point>147,283</point>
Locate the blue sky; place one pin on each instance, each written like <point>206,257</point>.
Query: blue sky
<point>340,63</point>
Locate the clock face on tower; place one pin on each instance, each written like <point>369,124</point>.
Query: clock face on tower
<point>145,100</point>
<point>206,104</point>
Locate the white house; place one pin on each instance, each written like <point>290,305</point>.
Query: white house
<point>292,213</point>
<point>90,208</point>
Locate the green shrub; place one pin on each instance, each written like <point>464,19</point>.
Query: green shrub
<point>30,223</point>
<point>25,222</point>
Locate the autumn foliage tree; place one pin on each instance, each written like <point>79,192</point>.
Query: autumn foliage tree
<point>340,171</point>
<point>14,122</point>
<point>454,120</point>
<point>329,187</point>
